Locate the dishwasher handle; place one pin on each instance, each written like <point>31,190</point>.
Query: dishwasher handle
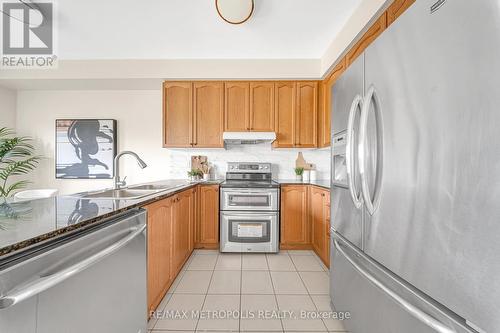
<point>41,284</point>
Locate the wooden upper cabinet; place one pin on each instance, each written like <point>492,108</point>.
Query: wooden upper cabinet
<point>284,108</point>
<point>208,104</point>
<point>370,35</point>
<point>306,115</point>
<point>325,104</point>
<point>262,106</point>
<point>294,216</point>
<point>177,114</point>
<point>237,106</point>
<point>396,9</point>
<point>160,275</point>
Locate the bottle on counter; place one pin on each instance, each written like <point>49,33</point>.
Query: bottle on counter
<point>306,176</point>
<point>313,174</point>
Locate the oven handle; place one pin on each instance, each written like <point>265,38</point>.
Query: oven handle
<point>252,214</point>
<point>241,192</point>
<point>252,191</point>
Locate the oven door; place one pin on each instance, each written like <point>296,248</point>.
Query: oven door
<point>249,199</point>
<point>249,232</point>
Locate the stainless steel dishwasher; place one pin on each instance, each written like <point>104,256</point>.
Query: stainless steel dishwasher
<point>94,281</point>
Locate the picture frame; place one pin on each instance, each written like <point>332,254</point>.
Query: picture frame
<point>85,148</point>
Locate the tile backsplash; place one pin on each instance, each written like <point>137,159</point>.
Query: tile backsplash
<point>283,160</point>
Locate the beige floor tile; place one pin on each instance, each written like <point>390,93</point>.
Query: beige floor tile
<point>280,262</point>
<point>322,303</point>
<point>317,283</point>
<point>300,252</point>
<point>194,282</point>
<point>298,304</point>
<point>256,282</point>
<point>228,262</point>
<point>202,262</point>
<point>306,263</point>
<point>288,283</point>
<point>203,251</point>
<point>164,302</point>
<point>181,302</point>
<point>225,282</point>
<point>254,262</point>
<point>221,305</point>
<point>174,284</point>
<point>256,305</point>
<point>152,323</point>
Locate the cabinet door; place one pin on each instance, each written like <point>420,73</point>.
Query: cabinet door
<point>294,216</point>
<point>183,229</point>
<point>319,200</point>
<point>160,275</point>
<point>370,35</point>
<point>306,115</point>
<point>177,114</point>
<point>285,98</point>
<point>262,106</point>
<point>208,106</point>
<point>237,103</point>
<point>325,105</point>
<point>208,221</point>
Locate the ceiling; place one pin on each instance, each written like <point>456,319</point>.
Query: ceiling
<point>191,29</point>
<point>130,44</point>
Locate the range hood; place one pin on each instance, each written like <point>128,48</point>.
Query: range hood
<point>248,138</point>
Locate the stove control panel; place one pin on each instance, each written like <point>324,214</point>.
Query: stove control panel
<point>249,167</point>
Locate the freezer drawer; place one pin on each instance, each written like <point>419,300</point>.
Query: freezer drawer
<point>95,282</point>
<point>381,303</point>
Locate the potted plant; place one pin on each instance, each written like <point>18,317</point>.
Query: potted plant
<point>17,159</point>
<point>298,173</point>
<point>194,174</point>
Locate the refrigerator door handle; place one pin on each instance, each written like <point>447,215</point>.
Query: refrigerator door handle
<point>371,98</point>
<point>410,308</point>
<point>43,283</point>
<point>356,196</point>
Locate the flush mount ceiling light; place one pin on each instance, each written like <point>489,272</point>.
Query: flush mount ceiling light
<point>234,11</point>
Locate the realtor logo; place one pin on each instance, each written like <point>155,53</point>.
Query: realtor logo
<point>28,35</point>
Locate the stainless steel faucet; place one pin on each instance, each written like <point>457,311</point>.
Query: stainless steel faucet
<point>121,183</point>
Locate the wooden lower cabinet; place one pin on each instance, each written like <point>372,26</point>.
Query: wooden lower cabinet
<point>170,242</point>
<point>207,221</point>
<point>182,229</point>
<point>305,219</point>
<point>320,222</point>
<point>159,242</point>
<point>294,218</point>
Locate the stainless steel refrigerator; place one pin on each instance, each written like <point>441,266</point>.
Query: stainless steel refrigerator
<point>416,174</point>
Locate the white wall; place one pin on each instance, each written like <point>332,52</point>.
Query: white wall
<point>138,113</point>
<point>7,108</point>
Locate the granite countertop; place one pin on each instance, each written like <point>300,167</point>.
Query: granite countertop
<point>37,221</point>
<point>325,183</point>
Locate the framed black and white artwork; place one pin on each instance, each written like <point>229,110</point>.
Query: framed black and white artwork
<point>85,148</point>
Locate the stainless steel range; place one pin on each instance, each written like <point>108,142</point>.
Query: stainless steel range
<point>249,211</point>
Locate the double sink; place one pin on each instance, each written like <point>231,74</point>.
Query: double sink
<point>132,192</point>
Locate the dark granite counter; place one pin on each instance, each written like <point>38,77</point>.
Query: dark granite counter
<point>319,182</point>
<point>29,223</point>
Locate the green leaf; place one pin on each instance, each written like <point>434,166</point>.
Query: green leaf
<point>16,158</point>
